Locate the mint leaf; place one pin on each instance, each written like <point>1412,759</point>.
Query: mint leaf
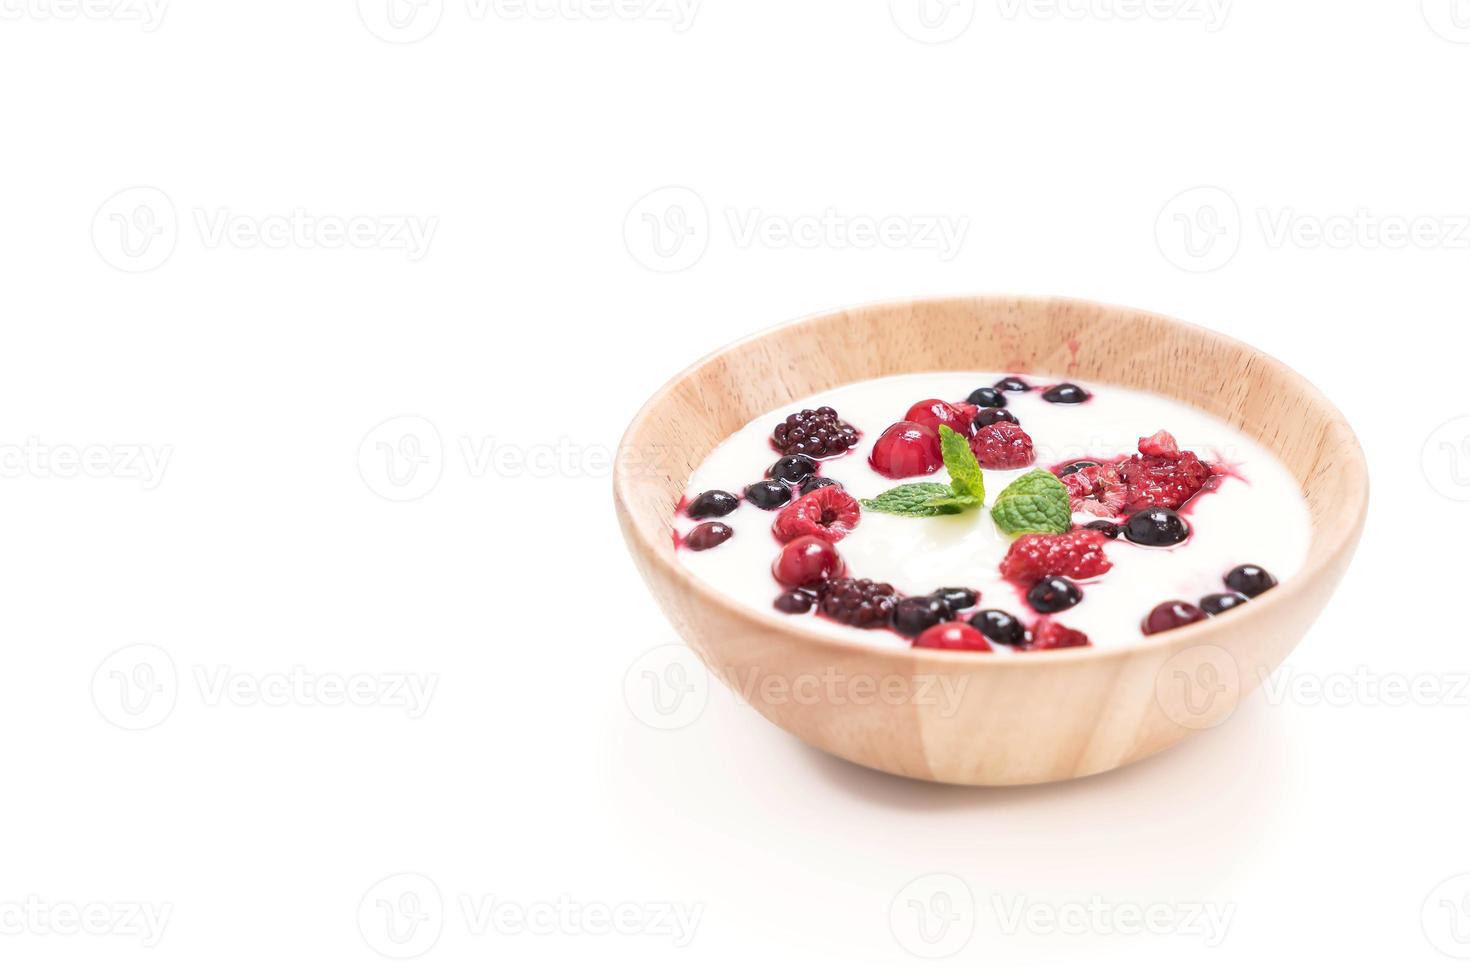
<point>1035,503</point>
<point>919,500</point>
<point>963,467</point>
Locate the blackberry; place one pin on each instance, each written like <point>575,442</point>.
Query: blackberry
<point>859,602</point>
<point>816,432</point>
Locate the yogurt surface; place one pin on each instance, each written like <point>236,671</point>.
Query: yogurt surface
<point>1256,514</point>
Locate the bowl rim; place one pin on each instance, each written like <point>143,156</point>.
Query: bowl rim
<point>1200,634</point>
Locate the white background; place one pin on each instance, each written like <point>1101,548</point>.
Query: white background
<point>521,332</point>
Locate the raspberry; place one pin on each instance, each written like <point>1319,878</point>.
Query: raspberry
<point>1052,635</point>
<point>815,432</point>
<point>1097,490</point>
<point>829,513</point>
<point>1161,443</point>
<point>1003,446</point>
<point>1158,481</point>
<point>858,602</point>
<point>1077,554</point>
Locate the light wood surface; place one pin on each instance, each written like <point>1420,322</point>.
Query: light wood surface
<point>973,718</point>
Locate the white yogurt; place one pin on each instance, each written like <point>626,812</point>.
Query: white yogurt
<point>1259,517</point>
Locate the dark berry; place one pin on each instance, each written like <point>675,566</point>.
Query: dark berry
<point>990,416</point>
<point>1012,383</point>
<point>1053,594</point>
<point>858,602</point>
<point>999,627</point>
<point>915,614</point>
<point>1105,528</point>
<point>816,483</point>
<point>1081,464</point>
<point>1157,527</point>
<point>1065,393</point>
<point>956,599</point>
<point>1221,601</point>
<point>708,535</point>
<point>792,469</point>
<point>1249,580</point>
<point>769,494</point>
<point>795,602</point>
<point>806,562</point>
<point>712,503</point>
<point>1170,616</point>
<point>815,432</point>
<point>987,398</point>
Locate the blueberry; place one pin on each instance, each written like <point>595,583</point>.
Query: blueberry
<point>987,398</point>
<point>1249,580</point>
<point>956,599</point>
<point>795,602</point>
<point>1105,527</point>
<point>768,494</point>
<point>1081,464</point>
<point>708,535</point>
<point>792,469</point>
<point>816,483</point>
<point>712,503</point>
<point>1053,594</point>
<point>1065,393</point>
<point>999,627</point>
<point>990,416</point>
<point>1157,527</point>
<point>1012,383</point>
<point>915,614</point>
<point>1221,601</point>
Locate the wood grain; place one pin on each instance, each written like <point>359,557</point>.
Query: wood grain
<point>968,718</point>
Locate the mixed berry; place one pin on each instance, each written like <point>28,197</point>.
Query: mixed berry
<point>1120,502</point>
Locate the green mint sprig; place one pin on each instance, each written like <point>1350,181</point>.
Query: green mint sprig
<point>1034,503</point>
<point>966,485</point>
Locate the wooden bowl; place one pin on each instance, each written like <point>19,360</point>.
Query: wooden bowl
<point>961,717</point>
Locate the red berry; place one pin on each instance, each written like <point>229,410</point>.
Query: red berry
<point>806,561</point>
<point>1161,443</point>
<point>1077,554</point>
<point>1158,481</point>
<point>933,412</point>
<point>829,513</point>
<point>1170,616</point>
<point>708,535</point>
<point>1097,490</point>
<point>1052,635</point>
<point>952,636</point>
<point>1003,446</point>
<point>906,449</point>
